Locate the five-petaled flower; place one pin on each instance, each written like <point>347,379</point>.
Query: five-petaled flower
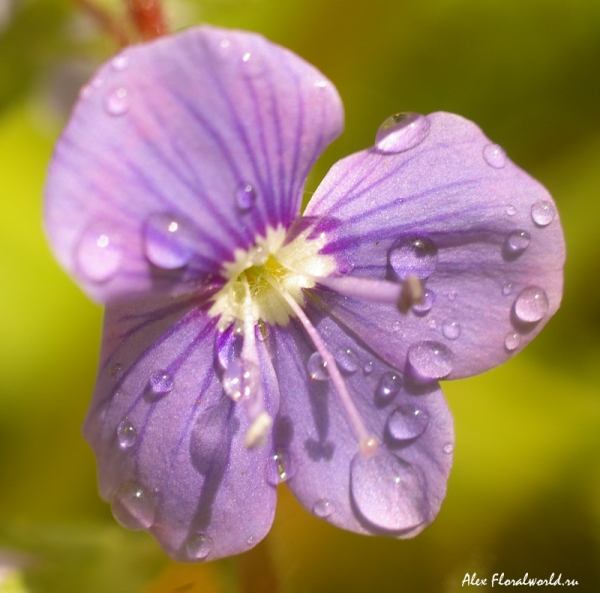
<point>246,345</point>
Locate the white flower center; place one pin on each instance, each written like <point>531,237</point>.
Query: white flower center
<point>269,263</point>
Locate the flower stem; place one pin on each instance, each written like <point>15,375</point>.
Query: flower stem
<point>148,18</point>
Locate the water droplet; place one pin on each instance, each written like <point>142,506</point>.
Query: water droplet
<point>281,467</point>
<point>347,360</point>
<point>126,434</point>
<point>389,385</point>
<point>451,330</point>
<point>432,324</point>
<point>323,508</point>
<point>167,240</point>
<point>448,448</point>
<point>321,84</point>
<point>511,210</point>
<point>245,196</point>
<point>97,82</point>
<point>198,546</point>
<point>413,256</point>
<point>507,289</point>
<point>161,383</point>
<point>401,132</point>
<point>120,62</point>
<point>531,304</point>
<point>228,346</point>
<point>451,295</point>
<point>542,213</point>
<point>115,370</point>
<point>517,242</point>
<point>425,305</point>
<point>494,156</point>
<point>86,91</point>
<point>512,341</point>
<point>253,64</point>
<point>240,379</point>
<point>397,326</point>
<point>132,506</point>
<point>430,360</point>
<point>250,540</point>
<point>262,332</point>
<point>387,491</point>
<point>368,368</point>
<point>407,422</point>
<point>99,254</point>
<point>117,102</point>
<point>317,367</point>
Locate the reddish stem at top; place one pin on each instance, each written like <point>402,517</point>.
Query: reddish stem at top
<point>148,17</point>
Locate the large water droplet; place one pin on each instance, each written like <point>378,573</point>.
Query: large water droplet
<point>542,213</point>
<point>281,467</point>
<point>253,64</point>
<point>228,346</point>
<point>494,156</point>
<point>401,132</point>
<point>347,360</point>
<point>198,546</point>
<point>451,330</point>
<point>161,383</point>
<point>388,387</point>
<point>430,360</point>
<point>512,341</point>
<point>117,102</point>
<point>240,379</point>
<point>126,434</point>
<point>132,506</point>
<point>387,491</point>
<point>317,367</point>
<point>167,240</point>
<point>517,242</point>
<point>531,304</point>
<point>407,422</point>
<point>99,254</point>
<point>323,508</point>
<point>245,196</point>
<point>426,303</point>
<point>413,256</point>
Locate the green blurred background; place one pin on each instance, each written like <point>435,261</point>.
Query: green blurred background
<point>524,495</point>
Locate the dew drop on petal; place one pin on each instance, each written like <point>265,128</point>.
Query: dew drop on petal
<point>451,330</point>
<point>132,506</point>
<point>117,102</point>
<point>245,196</point>
<point>542,213</point>
<point>161,383</point>
<point>99,255</point>
<point>388,387</point>
<point>126,434</point>
<point>198,546</point>
<point>86,91</point>
<point>120,62</point>
<point>347,360</point>
<point>281,467</point>
<point>448,448</point>
<point>250,540</point>
<point>426,303</point>
<point>115,370</point>
<point>511,210</point>
<point>401,132</point>
<point>430,360</point>
<point>413,256</point>
<point>517,242</point>
<point>512,341</point>
<point>507,289</point>
<point>407,422</point>
<point>317,367</point>
<point>323,508</point>
<point>167,240</point>
<point>387,491</point>
<point>368,367</point>
<point>253,64</point>
<point>531,304</point>
<point>494,156</point>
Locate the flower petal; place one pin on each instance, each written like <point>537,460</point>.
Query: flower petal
<point>180,151</point>
<point>169,443</point>
<point>399,490</point>
<point>448,207</point>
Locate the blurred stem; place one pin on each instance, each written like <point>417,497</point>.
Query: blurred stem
<point>148,18</point>
<point>257,574</point>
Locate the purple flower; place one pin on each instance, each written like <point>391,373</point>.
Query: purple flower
<point>246,345</point>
